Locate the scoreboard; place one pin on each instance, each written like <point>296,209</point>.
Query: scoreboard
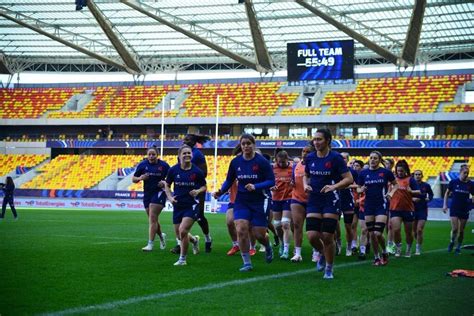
<point>329,60</point>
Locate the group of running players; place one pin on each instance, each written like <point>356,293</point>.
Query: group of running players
<point>278,197</point>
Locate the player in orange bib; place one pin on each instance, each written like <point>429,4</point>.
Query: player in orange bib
<point>281,197</point>
<point>402,208</point>
<point>299,200</point>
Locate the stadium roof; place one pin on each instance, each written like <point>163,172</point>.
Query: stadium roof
<point>147,36</point>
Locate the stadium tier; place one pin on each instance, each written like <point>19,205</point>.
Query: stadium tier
<point>33,103</point>
<point>79,172</point>
<point>243,99</point>
<point>301,111</point>
<point>395,95</point>
<point>371,96</point>
<point>459,108</point>
<point>75,172</point>
<point>9,163</point>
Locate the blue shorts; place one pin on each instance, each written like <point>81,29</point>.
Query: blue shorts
<point>421,215</point>
<point>375,211</point>
<point>280,206</point>
<point>293,201</point>
<point>179,213</point>
<point>347,206</point>
<point>462,214</point>
<point>155,198</point>
<point>230,205</point>
<point>322,204</point>
<point>253,211</point>
<point>405,215</point>
<point>356,210</point>
<point>361,215</point>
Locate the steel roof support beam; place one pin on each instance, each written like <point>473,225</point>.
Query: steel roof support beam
<point>244,61</point>
<point>114,39</point>
<point>38,28</point>
<point>262,55</point>
<point>358,37</point>
<point>413,34</point>
<point>4,69</point>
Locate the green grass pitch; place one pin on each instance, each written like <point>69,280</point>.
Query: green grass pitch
<point>88,262</point>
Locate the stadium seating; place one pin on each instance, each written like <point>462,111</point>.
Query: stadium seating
<point>75,172</point>
<point>8,163</point>
<point>395,95</point>
<point>458,108</point>
<point>85,172</point>
<point>372,96</point>
<point>245,99</point>
<point>31,103</point>
<point>300,111</point>
<point>122,102</point>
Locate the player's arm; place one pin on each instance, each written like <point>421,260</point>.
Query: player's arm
<point>445,200</point>
<point>269,179</point>
<point>344,183</point>
<point>231,176</point>
<point>168,193</point>
<point>430,194</point>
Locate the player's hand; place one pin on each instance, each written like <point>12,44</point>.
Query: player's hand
<point>172,200</point>
<point>361,189</point>
<point>327,188</point>
<point>273,188</point>
<point>250,187</point>
<point>308,188</point>
<point>388,196</point>
<point>145,176</point>
<point>416,200</point>
<point>194,193</point>
<point>217,194</point>
<point>445,209</point>
<point>161,184</point>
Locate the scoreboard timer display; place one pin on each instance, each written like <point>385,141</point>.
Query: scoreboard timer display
<point>329,60</point>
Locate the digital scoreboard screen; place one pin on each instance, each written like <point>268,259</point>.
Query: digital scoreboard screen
<point>329,60</point>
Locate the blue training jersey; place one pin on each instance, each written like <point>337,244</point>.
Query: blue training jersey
<point>426,192</point>
<point>460,192</point>
<point>376,181</point>
<point>257,171</point>
<point>184,182</point>
<point>324,171</point>
<point>157,172</point>
<point>346,194</point>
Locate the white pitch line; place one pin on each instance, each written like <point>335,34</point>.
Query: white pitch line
<point>151,297</point>
<point>116,242</point>
<point>93,237</point>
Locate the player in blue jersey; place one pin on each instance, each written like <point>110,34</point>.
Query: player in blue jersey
<point>188,183</point>
<point>255,175</point>
<point>374,182</point>
<point>421,209</point>
<point>152,171</point>
<point>347,208</point>
<point>326,174</point>
<point>460,190</point>
<point>199,160</point>
<point>8,189</point>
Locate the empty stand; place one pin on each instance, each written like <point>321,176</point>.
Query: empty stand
<point>244,99</point>
<point>301,111</point>
<point>395,95</point>
<point>458,108</point>
<point>31,103</point>
<point>8,163</point>
<point>80,172</point>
